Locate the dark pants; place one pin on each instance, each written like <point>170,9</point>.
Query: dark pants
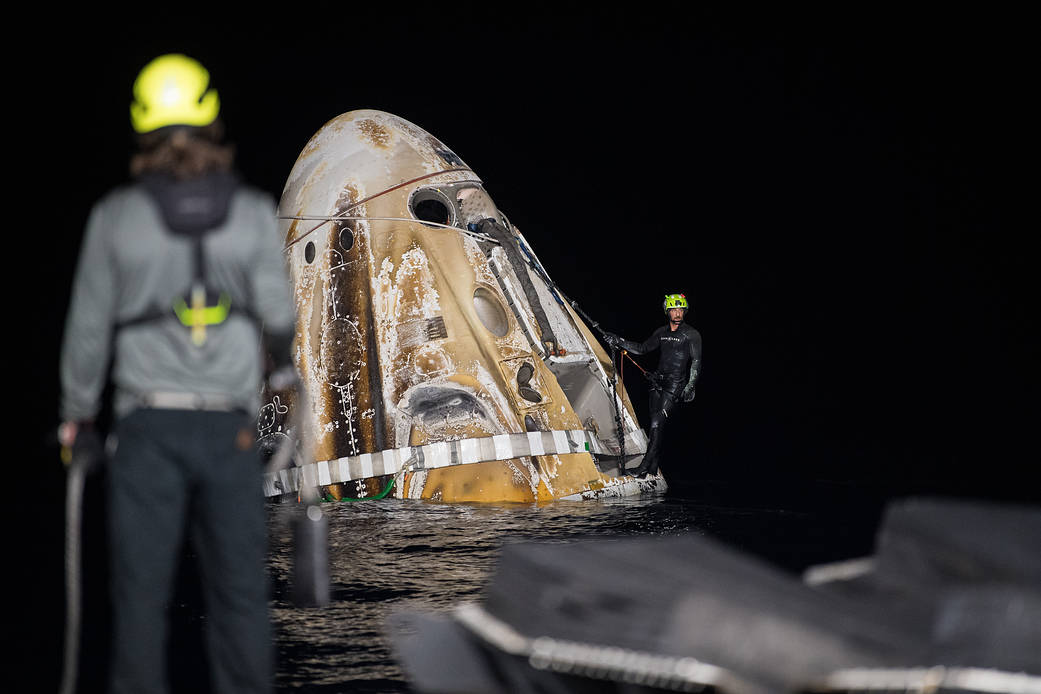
<point>185,471</point>
<point>662,404</point>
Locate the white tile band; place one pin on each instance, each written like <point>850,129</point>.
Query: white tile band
<point>444,454</point>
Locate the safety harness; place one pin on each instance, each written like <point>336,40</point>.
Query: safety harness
<point>193,209</point>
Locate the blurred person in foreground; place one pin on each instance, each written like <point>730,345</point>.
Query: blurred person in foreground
<point>180,283</point>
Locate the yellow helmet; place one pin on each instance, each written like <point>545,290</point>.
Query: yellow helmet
<point>173,90</point>
<point>675,301</point>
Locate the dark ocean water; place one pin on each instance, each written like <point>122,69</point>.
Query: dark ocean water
<point>392,555</point>
<point>403,555</point>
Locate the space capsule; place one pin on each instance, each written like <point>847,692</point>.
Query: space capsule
<point>440,359</point>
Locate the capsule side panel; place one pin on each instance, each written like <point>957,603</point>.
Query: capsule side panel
<point>409,333</point>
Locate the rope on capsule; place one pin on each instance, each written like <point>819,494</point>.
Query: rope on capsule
<point>320,218</point>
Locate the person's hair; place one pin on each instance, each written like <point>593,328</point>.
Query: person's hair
<point>182,152</point>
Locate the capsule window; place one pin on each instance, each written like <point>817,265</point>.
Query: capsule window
<point>309,252</point>
<point>490,312</point>
<point>346,239</point>
<point>430,205</point>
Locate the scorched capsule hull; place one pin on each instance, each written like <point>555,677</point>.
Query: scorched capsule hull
<point>435,349</point>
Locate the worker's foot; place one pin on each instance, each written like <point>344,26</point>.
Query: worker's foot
<point>639,473</point>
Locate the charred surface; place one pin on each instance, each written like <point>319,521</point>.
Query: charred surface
<point>415,334</point>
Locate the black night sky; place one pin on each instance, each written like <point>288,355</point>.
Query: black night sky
<point>836,193</point>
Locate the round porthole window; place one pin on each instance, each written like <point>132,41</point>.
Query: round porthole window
<point>490,312</point>
<point>430,205</point>
<point>346,239</point>
<point>309,252</point>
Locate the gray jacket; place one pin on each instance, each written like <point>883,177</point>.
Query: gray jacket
<point>131,266</point>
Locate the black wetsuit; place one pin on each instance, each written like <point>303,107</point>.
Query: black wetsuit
<point>678,365</point>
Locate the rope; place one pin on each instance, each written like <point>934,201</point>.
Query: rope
<point>540,272</point>
<point>509,243</point>
<point>625,353</point>
<point>646,374</point>
<point>376,195</point>
<point>617,413</point>
<point>550,284</point>
<point>613,378</point>
<point>309,217</point>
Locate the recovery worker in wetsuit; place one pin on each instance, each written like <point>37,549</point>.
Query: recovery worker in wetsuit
<point>680,358</point>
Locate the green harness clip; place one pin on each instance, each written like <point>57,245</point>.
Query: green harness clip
<point>199,315</point>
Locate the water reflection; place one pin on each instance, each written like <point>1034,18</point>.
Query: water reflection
<point>393,554</point>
